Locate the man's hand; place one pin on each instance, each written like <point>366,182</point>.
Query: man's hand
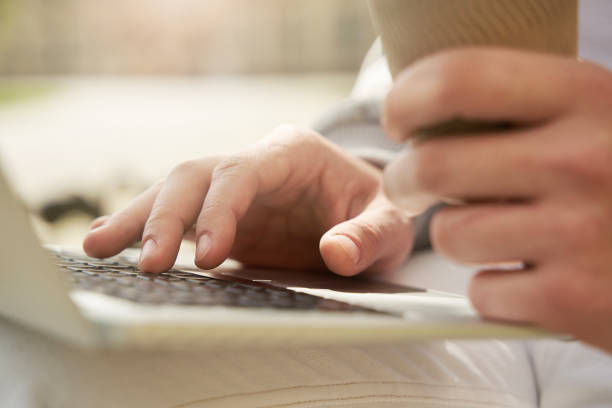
<point>293,200</point>
<point>539,192</point>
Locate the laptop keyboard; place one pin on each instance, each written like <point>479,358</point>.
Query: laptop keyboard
<point>121,279</point>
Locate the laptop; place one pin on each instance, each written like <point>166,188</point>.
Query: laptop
<point>108,303</point>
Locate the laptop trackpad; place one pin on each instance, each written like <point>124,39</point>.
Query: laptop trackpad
<point>315,280</point>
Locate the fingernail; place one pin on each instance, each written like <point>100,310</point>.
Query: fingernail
<point>148,248</point>
<point>348,246</point>
<point>203,246</point>
<point>98,226</point>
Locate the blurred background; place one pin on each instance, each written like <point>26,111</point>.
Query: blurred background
<point>98,99</point>
<point>181,37</point>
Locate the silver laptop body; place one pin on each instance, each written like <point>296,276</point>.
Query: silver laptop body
<point>43,290</point>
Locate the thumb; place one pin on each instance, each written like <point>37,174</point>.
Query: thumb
<point>378,239</point>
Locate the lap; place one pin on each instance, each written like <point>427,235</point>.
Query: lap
<point>38,372</point>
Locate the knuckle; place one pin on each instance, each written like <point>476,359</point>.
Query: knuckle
<point>369,238</point>
<point>295,135</point>
<point>162,218</point>
<point>287,133</point>
<point>287,137</point>
<point>576,290</point>
<point>452,70</point>
<point>566,292</point>
<point>447,91</point>
<point>586,164</point>
<point>185,168</point>
<point>556,293</point>
<point>214,211</point>
<point>130,222</point>
<point>285,129</point>
<point>580,229</point>
<point>231,165</point>
<point>599,300</point>
<point>594,79</point>
<point>443,78</point>
<point>391,229</point>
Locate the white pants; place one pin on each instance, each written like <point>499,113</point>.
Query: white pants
<point>37,372</point>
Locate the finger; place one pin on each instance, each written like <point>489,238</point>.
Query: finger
<point>556,297</point>
<point>479,85</point>
<point>234,184</point>
<point>493,233</point>
<point>378,239</point>
<point>510,295</point>
<point>173,213</point>
<point>545,296</point>
<point>110,235</point>
<point>516,164</point>
<point>289,157</point>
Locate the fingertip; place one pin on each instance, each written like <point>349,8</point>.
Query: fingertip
<point>389,187</point>
<point>89,245</point>
<point>203,245</point>
<point>152,258</point>
<point>349,247</point>
<point>208,257</point>
<point>400,174</point>
<point>390,130</point>
<point>399,186</point>
<point>215,232</point>
<point>94,244</point>
<point>341,254</point>
<point>479,298</point>
<point>205,259</point>
<point>393,133</point>
<point>208,263</point>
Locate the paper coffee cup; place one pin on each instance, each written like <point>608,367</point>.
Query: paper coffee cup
<point>412,29</point>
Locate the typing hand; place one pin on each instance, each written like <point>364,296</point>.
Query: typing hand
<point>292,200</point>
<point>539,192</point>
